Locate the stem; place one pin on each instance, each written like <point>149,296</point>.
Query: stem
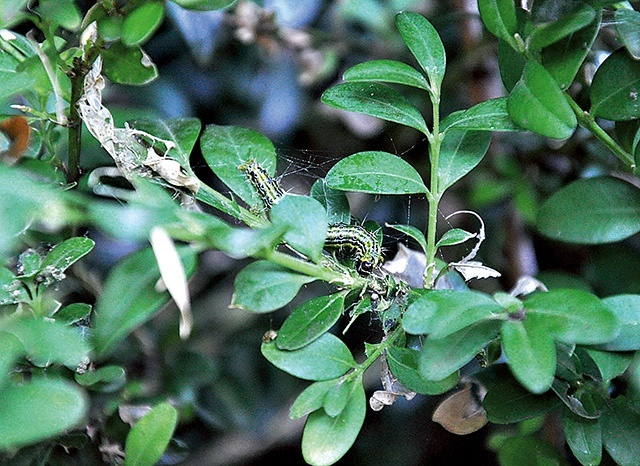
<point>375,354</point>
<point>77,75</point>
<point>587,121</point>
<point>434,194</point>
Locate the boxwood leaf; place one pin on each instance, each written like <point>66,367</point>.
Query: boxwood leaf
<point>338,396</point>
<point>584,437</point>
<point>11,348</point>
<point>531,353</point>
<point>264,287</point>
<point>454,236</point>
<point>620,431</point>
<point>74,312</point>
<point>404,363</point>
<point>150,436</point>
<point>615,88</point>
<point>460,152</point>
<point>546,34</point>
<point>183,132</point>
<point>325,358</point>
<point>425,45</point>
<point>311,398</point>
<point>204,5</point>
<point>375,100</point>
<point>490,115</point>
<point>610,364</point>
<point>334,201</point>
<point>142,23</point>
<point>64,254</point>
<point>528,451</point>
<point>375,173</point>
<point>106,379</point>
<point>326,439</point>
<point>310,320</point>
<point>627,310</point>
<point>508,402</point>
<point>499,17</point>
<point>413,232</point>
<point>592,211</point>
<point>128,65</point>
<point>389,71</point>
<point>51,406</point>
<point>628,26</point>
<point>537,103</point>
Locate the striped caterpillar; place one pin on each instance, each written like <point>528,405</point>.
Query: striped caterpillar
<point>351,241</point>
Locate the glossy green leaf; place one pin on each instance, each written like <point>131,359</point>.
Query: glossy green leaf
<point>375,173</point>
<point>413,232</point>
<point>306,220</point>
<point>150,436</point>
<point>240,243</point>
<point>106,379</point>
<point>128,65</point>
<point>183,132</point>
<point>627,310</point>
<point>375,100</point>
<point>440,313</point>
<point>11,291</point>
<point>508,402</point>
<point>564,58</point>
<point>29,263</point>
<point>122,307</point>
<point>389,71</point>
<point>615,90</point>
<point>531,353</point>
<point>610,364</point>
<point>74,312</point>
<point>338,396</point>
<point>490,115</point>
<point>264,287</point>
<point>548,33</point>
<point>454,236</point>
<point>311,398</point>
<point>528,451</point>
<point>537,103</point>
<point>404,365</point>
<point>225,148</point>
<point>204,5</point>
<point>11,12</point>
<point>574,316</point>
<point>62,12</point>
<point>499,17</point>
<point>325,358</point>
<point>326,439</point>
<point>425,45</point>
<point>628,26</point>
<point>39,409</point>
<point>511,64</point>
<point>47,341</point>
<point>592,211</point>
<point>580,403</point>
<point>334,201</point>
<point>64,254</point>
<point>620,432</point>
<point>584,437</point>
<point>441,357</point>
<point>142,23</point>
<point>11,348</point>
<point>461,151</point>
<point>310,320</point>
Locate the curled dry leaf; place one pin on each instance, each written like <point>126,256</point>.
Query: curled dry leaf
<point>462,413</point>
<point>527,285</point>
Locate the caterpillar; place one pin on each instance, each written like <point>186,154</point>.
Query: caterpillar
<point>268,188</point>
<point>351,241</point>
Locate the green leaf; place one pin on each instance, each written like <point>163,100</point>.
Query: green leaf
<point>490,115</point>
<point>11,349</point>
<point>310,320</point>
<point>225,148</point>
<point>508,402</point>
<point>404,363</point>
<point>240,243</point>
<point>628,26</point>
<point>47,341</point>
<point>584,437</point>
<point>62,12</point>
<point>74,312</point>
<point>620,432</point>
<point>615,88</point>
<point>264,287</point>
<point>375,173</point>
<point>528,451</point>
<point>323,359</point>
<point>338,396</point>
<point>511,64</point>
<point>29,263</point>
<point>306,220</point>
<point>592,211</point>
<point>440,313</point>
<point>150,436</point>
<point>413,232</point>
<point>204,5</point>
<point>425,45</point>
<point>326,439</point>
<point>537,103</point>
<point>375,100</point>
<point>548,33</point>
<point>460,152</point>
<point>441,357</point>
<point>106,379</point>
<point>531,353</point>
<point>122,307</point>
<point>142,23</point>
<point>11,12</point>
<point>610,365</point>
<point>627,310</point>
<point>564,58</point>
<point>311,398</point>
<point>335,202</point>
<point>37,410</point>
<point>128,65</point>
<point>499,17</point>
<point>389,71</point>
<point>454,236</point>
<point>574,316</point>
<point>64,254</point>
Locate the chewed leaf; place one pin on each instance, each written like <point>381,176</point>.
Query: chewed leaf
<point>474,269</point>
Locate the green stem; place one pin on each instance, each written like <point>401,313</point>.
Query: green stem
<point>434,195</point>
<point>375,354</point>
<point>587,121</point>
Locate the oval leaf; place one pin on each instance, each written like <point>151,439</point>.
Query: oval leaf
<point>620,431</point>
<point>323,359</point>
<point>460,152</point>
<point>142,23</point>
<point>499,17</point>
<point>490,115</point>
<point>404,363</point>
<point>627,310</point>
<point>65,254</point>
<point>389,71</point>
<point>149,437</point>
<point>615,90</point>
<point>592,211</point>
<point>508,402</point>
<point>311,398</point>
<point>628,26</point>
<point>376,100</point>
<point>375,173</point>
<point>548,33</point>
<point>128,65</point>
<point>584,437</point>
<point>335,202</point>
